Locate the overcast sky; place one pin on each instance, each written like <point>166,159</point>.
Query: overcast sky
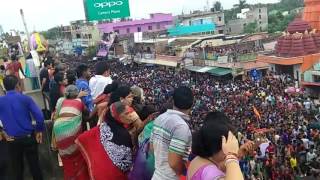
<point>44,14</point>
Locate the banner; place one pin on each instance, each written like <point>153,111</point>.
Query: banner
<point>256,112</point>
<point>97,10</point>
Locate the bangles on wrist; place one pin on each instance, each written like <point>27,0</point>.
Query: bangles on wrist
<point>231,155</point>
<point>227,161</point>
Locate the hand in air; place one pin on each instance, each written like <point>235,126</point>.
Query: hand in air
<point>230,145</point>
<point>246,148</point>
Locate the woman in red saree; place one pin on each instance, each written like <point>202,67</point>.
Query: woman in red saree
<point>108,148</point>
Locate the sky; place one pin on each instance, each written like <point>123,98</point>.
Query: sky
<point>44,14</point>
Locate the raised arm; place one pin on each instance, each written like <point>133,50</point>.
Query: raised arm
<point>230,148</point>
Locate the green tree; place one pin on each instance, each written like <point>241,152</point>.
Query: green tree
<point>92,51</point>
<point>251,28</point>
<point>285,5</point>
<point>217,6</point>
<point>242,4</point>
<point>278,22</point>
<point>230,14</point>
<point>53,33</point>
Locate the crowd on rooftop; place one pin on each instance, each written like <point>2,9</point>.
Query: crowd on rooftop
<point>232,50</point>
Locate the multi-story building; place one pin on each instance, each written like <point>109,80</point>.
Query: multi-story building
<point>65,32</point>
<point>257,15</point>
<point>84,34</point>
<point>205,17</point>
<point>156,23</point>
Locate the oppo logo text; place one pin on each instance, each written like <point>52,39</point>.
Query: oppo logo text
<point>108,4</point>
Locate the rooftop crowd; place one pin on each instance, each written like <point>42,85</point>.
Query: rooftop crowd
<point>231,50</point>
<point>148,116</point>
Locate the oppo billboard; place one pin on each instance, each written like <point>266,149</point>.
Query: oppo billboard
<point>106,9</point>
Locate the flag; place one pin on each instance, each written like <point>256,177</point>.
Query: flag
<point>256,112</point>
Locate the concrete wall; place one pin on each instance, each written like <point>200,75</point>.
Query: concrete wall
<point>158,22</point>
<point>272,67</point>
<point>259,15</point>
<point>216,18</point>
<point>144,28</point>
<point>297,72</point>
<point>85,31</point>
<point>308,76</point>
<point>36,96</point>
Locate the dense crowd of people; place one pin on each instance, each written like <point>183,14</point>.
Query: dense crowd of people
<point>160,111</point>
<point>232,51</point>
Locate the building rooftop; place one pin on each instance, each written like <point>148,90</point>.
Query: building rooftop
<point>199,13</point>
<point>245,65</point>
<point>154,18</point>
<point>298,41</point>
<point>298,25</point>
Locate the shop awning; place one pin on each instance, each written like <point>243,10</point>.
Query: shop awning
<point>194,68</point>
<point>205,69</point>
<point>158,62</point>
<point>199,69</point>
<point>218,71</point>
<point>166,63</point>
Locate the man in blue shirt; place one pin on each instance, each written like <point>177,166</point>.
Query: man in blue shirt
<point>3,158</point>
<point>82,83</point>
<point>22,137</point>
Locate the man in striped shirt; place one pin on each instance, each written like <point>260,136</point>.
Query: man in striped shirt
<point>171,137</point>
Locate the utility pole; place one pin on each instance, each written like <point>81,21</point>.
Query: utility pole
<point>26,29</point>
<point>1,30</point>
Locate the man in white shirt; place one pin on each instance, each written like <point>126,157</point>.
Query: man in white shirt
<point>100,80</point>
<point>311,155</point>
<point>307,105</point>
<point>171,137</point>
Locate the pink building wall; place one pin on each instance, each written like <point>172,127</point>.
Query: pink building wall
<point>158,22</point>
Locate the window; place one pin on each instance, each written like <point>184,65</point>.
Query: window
<point>244,25</point>
<point>201,21</point>
<point>259,10</point>
<point>229,29</point>
<point>78,36</point>
<point>220,18</point>
<point>90,36</point>
<point>128,30</point>
<point>139,29</point>
<point>259,16</point>
<point>220,31</point>
<point>260,22</point>
<point>158,25</point>
<point>316,78</point>
<point>260,29</point>
<point>150,28</point>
